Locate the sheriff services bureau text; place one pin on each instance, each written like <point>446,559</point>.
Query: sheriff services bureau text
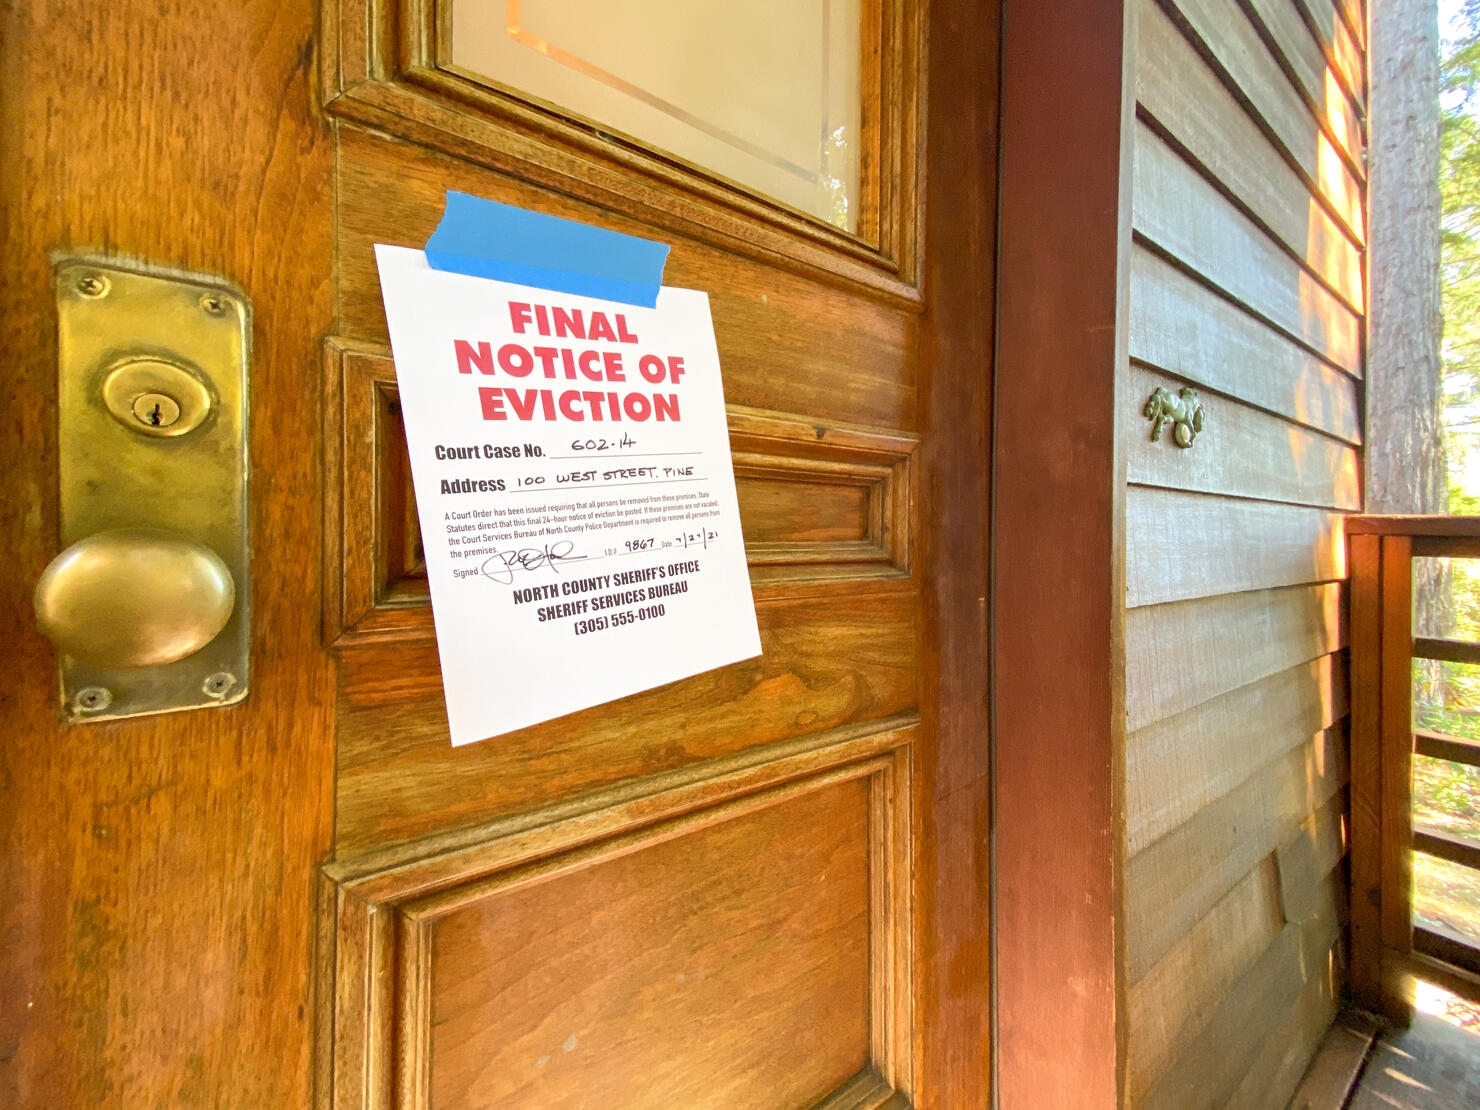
<point>647,584</point>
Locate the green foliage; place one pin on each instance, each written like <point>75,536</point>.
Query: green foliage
<point>1459,190</point>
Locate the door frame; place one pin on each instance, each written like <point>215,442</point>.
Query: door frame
<point>1058,575</point>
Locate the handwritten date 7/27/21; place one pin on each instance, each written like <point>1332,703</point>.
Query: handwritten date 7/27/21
<point>699,537</point>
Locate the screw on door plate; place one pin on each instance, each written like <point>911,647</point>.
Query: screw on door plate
<point>92,699</point>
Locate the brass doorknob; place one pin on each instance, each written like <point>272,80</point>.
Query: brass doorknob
<point>134,597</point>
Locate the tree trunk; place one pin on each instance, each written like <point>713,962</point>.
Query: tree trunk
<point>1406,472</point>
<point>1405,464</point>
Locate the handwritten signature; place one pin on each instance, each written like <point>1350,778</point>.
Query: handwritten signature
<point>501,565</point>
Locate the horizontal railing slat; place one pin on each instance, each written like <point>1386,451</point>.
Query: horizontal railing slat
<point>1456,849</point>
<point>1449,651</point>
<point>1447,945</point>
<point>1436,745</point>
<point>1450,547</point>
<point>1467,527</point>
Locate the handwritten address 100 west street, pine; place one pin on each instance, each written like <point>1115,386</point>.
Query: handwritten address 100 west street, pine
<point>602,539</point>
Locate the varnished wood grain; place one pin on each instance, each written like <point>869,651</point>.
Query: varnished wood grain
<point>1224,547</point>
<point>1185,217</point>
<point>781,510</point>
<point>158,882</point>
<point>858,411</point>
<point>388,67</point>
<point>952,810</point>
<point>1185,653</point>
<point>1180,764</point>
<point>1242,453</point>
<point>537,1000</point>
<point>1180,326</point>
<point>787,342</point>
<point>818,503</point>
<point>390,905</point>
<point>821,667</point>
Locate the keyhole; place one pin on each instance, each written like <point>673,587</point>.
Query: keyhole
<point>156,410</point>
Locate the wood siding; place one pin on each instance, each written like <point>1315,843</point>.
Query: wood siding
<point>1246,284</point>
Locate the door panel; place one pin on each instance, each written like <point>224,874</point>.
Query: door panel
<point>156,894</point>
<point>804,981</point>
<point>762,886</point>
<point>637,926</point>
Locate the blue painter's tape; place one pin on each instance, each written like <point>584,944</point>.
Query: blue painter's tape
<point>487,239</point>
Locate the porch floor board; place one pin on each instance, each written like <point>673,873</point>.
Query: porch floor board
<point>1431,1065</point>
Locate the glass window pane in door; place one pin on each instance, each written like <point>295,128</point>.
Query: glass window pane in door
<point>766,93</point>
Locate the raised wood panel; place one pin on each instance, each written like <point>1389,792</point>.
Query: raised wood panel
<point>1227,37</point>
<point>386,68</point>
<point>821,501</point>
<point>1177,997</point>
<point>539,997</point>
<point>1207,1073</point>
<point>1185,653</point>
<point>1182,327</point>
<point>787,342</point>
<point>1182,763</point>
<point>374,579</point>
<point>817,502</point>
<point>1241,452</point>
<point>1185,97</point>
<point>802,509</point>
<point>1175,208</point>
<point>824,666</point>
<point>1175,881</point>
<point>1185,545</point>
<point>573,952</point>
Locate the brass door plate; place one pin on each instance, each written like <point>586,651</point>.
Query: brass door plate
<point>152,415</point>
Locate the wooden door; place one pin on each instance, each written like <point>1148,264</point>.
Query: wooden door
<point>766,886</point>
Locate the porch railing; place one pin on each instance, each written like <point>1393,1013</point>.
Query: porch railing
<point>1389,949</point>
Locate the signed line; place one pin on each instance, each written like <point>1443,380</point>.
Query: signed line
<point>605,485</point>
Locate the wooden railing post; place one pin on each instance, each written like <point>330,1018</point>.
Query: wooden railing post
<point>1365,567</point>
<point>1395,753</point>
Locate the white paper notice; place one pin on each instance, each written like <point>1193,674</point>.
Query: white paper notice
<point>573,478</point>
